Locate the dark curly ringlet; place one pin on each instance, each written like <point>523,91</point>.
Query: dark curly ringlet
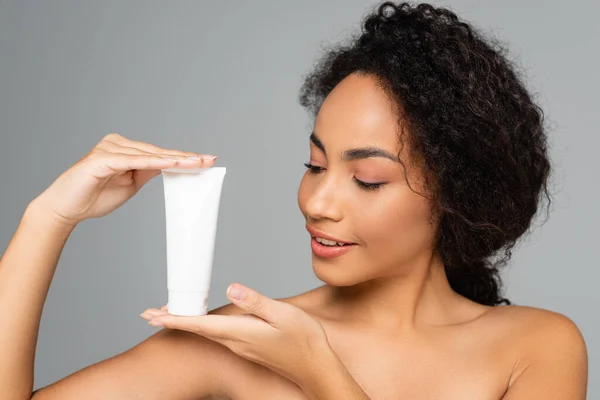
<point>472,125</point>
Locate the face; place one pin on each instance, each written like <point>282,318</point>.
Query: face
<point>356,194</point>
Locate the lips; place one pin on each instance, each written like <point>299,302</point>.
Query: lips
<point>317,233</point>
<point>325,251</point>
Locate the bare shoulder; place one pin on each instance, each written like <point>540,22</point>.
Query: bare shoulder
<point>535,324</point>
<point>550,347</point>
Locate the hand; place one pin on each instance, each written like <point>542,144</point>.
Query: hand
<point>274,334</point>
<point>111,173</point>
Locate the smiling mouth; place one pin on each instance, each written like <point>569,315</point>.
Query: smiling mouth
<point>331,243</point>
<point>329,249</point>
<point>327,241</point>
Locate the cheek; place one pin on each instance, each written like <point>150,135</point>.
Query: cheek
<point>397,222</point>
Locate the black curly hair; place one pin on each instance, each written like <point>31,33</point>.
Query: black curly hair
<point>471,124</point>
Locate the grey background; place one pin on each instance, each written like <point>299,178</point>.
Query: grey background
<point>222,78</point>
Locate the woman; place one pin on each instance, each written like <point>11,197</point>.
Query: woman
<point>428,158</point>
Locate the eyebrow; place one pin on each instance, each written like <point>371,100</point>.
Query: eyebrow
<point>356,154</point>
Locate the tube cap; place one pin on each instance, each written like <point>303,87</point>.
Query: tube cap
<point>188,303</point>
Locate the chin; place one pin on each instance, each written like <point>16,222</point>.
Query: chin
<point>335,273</point>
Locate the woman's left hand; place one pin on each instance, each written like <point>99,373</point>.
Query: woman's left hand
<point>275,334</point>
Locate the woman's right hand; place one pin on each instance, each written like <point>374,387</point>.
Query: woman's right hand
<point>106,177</point>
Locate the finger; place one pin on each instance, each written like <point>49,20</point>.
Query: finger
<point>120,140</point>
<point>112,147</point>
<point>104,164</point>
<point>118,144</point>
<point>206,160</point>
<point>210,326</point>
<point>141,177</point>
<point>255,303</point>
<point>165,307</point>
<point>152,312</point>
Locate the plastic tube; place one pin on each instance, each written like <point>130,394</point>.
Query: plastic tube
<point>192,198</point>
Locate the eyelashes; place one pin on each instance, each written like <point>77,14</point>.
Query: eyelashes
<point>368,186</point>
<point>314,169</point>
<point>363,185</point>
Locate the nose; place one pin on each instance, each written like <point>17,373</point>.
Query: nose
<point>325,201</point>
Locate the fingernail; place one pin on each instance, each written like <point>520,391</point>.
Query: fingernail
<point>236,292</point>
<point>195,158</point>
<point>209,158</point>
<point>155,323</point>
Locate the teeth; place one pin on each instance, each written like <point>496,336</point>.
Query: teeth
<point>327,242</point>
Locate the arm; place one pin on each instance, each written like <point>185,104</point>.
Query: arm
<point>557,365</point>
<point>100,182</point>
<point>172,364</point>
<point>26,270</point>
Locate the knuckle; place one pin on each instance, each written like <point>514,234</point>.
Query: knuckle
<point>104,144</point>
<point>254,304</point>
<point>99,155</point>
<point>112,135</point>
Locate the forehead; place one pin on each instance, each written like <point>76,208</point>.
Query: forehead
<point>358,113</point>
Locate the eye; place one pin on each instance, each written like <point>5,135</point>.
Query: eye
<point>369,186</point>
<point>313,169</point>
<point>363,185</point>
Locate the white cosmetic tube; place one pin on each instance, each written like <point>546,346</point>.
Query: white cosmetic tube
<point>192,198</point>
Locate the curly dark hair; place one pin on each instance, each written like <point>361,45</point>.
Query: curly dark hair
<point>471,123</point>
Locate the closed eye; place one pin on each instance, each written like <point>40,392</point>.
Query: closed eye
<point>363,185</point>
<point>369,186</point>
<point>313,168</point>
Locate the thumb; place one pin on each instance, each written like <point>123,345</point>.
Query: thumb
<point>253,302</point>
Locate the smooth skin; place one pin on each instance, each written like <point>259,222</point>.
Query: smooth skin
<point>386,306</point>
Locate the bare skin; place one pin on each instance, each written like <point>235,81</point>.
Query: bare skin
<point>479,355</point>
<point>386,305</point>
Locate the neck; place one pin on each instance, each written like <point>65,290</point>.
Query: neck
<point>421,297</point>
